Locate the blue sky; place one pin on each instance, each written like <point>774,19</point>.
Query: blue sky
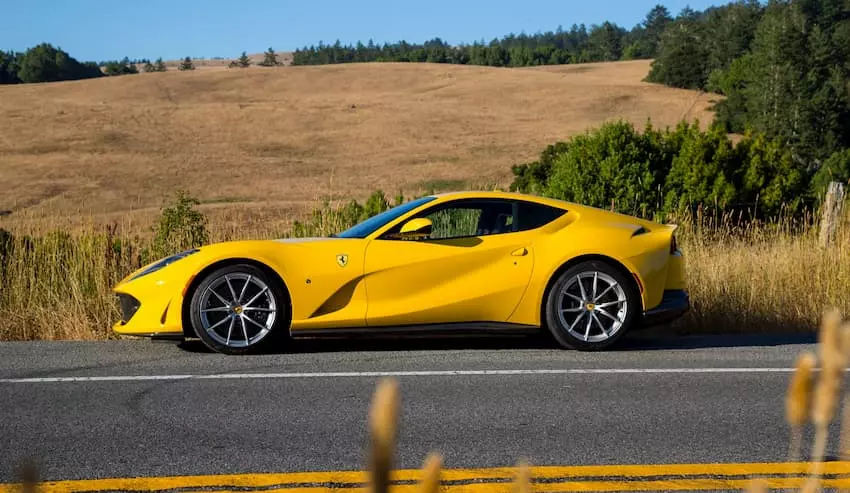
<point>111,29</point>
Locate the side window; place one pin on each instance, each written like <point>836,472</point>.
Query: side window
<point>466,218</point>
<point>454,222</point>
<point>532,216</point>
<point>472,218</point>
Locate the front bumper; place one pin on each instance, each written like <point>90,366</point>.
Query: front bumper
<point>148,310</point>
<point>674,304</point>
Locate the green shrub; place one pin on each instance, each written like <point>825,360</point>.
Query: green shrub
<point>701,173</point>
<point>612,164</point>
<point>772,178</point>
<point>835,168</point>
<point>327,220</point>
<point>534,177</point>
<point>671,171</point>
<point>180,226</point>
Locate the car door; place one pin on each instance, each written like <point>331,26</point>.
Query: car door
<point>473,267</point>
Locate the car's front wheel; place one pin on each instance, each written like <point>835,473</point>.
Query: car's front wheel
<point>591,306</point>
<point>239,309</point>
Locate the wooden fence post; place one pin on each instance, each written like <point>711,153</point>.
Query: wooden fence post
<point>831,214</point>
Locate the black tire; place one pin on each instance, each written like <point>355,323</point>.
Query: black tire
<point>229,323</point>
<point>576,312</point>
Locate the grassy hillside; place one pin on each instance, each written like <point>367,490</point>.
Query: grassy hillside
<point>266,144</point>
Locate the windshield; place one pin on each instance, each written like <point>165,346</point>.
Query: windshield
<point>374,223</point>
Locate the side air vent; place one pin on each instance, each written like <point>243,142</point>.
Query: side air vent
<point>129,307</point>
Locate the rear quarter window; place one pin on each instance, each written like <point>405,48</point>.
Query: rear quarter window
<point>533,216</point>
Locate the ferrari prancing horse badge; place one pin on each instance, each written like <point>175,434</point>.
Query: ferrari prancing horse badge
<point>342,259</point>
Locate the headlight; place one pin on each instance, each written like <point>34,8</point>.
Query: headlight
<point>164,262</point>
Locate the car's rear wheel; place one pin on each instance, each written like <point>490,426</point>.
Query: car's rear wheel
<point>240,309</point>
<point>591,306</point>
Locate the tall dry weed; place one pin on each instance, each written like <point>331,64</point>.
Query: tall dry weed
<point>752,276</point>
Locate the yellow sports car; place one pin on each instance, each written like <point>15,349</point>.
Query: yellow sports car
<point>451,262</point>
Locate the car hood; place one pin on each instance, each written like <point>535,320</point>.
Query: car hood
<point>307,240</point>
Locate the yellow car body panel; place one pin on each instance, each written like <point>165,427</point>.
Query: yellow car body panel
<point>373,282</point>
<point>445,281</point>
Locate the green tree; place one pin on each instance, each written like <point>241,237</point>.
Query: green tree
<point>9,67</point>
<point>149,67</point>
<point>835,168</point>
<point>122,67</point>
<point>731,112</point>
<point>791,85</point>
<point>653,25</point>
<point>605,42</point>
<point>825,99</point>
<point>45,63</point>
<point>269,58</point>
<point>244,61</point>
<point>186,64</point>
<point>729,31</point>
<point>159,65</point>
<point>682,56</point>
<point>777,73</point>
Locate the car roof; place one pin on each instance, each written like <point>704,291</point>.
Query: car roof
<point>585,210</point>
<point>495,194</point>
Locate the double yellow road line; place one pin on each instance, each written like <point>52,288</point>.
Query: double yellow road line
<point>655,477</point>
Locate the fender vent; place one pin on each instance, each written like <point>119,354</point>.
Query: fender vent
<point>641,230</point>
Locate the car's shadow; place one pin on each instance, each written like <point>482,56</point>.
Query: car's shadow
<point>650,340</point>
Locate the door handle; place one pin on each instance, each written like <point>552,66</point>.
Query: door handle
<point>520,252</point>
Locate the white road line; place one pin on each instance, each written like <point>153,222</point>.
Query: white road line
<point>372,374</point>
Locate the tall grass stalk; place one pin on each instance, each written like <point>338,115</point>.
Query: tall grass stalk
<point>798,402</point>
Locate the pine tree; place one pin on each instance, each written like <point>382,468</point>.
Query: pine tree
<point>186,64</point>
<point>159,66</point>
<point>149,67</point>
<point>654,24</point>
<point>682,57</point>
<point>244,61</point>
<point>269,59</point>
<point>776,75</point>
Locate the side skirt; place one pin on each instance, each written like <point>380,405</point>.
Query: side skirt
<point>465,328</point>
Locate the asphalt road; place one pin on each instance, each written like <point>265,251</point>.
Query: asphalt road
<point>668,400</point>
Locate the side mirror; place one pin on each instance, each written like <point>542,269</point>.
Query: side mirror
<point>416,228</point>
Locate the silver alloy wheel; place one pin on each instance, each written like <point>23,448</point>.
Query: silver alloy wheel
<point>592,306</point>
<point>237,310</point>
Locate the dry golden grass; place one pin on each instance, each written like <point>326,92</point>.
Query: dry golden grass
<point>265,144</point>
<point>763,277</point>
